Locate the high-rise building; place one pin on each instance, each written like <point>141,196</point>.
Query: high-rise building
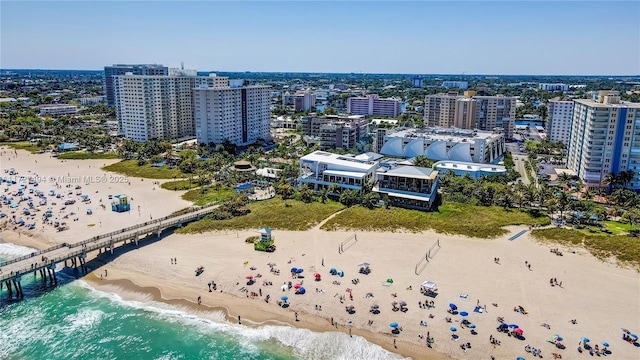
<point>439,110</point>
<point>496,112</point>
<point>237,112</point>
<point>304,101</point>
<point>465,113</point>
<point>560,117</point>
<point>416,81</point>
<point>334,131</point>
<point>121,69</point>
<point>373,105</point>
<point>157,106</point>
<point>605,137</point>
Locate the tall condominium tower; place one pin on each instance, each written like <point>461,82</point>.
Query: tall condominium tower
<point>560,117</point>
<point>121,69</point>
<point>439,110</point>
<point>158,107</point>
<point>236,112</point>
<point>605,137</point>
<point>496,112</point>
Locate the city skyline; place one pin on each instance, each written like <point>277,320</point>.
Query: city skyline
<point>565,38</point>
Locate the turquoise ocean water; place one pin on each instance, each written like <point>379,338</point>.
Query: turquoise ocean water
<point>74,321</point>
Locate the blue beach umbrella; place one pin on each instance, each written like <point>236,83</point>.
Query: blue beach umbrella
<point>284,298</point>
<point>472,326</point>
<point>634,336</point>
<point>393,325</point>
<point>584,339</point>
<point>453,329</point>
<point>302,290</point>
<point>605,344</point>
<point>294,270</point>
<point>513,326</point>
<point>299,271</point>
<point>520,358</point>
<point>453,306</point>
<point>464,313</point>
<point>503,325</point>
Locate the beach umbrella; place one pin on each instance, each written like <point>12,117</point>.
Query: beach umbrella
<point>584,339</point>
<point>284,287</point>
<point>634,337</point>
<point>364,264</point>
<point>302,290</point>
<point>393,325</point>
<point>557,337</point>
<point>453,329</point>
<point>297,286</point>
<point>520,358</point>
<point>605,344</point>
<point>513,326</point>
<point>317,275</point>
<point>518,331</point>
<point>472,326</point>
<point>402,303</point>
<point>249,277</point>
<point>453,307</point>
<point>294,270</point>
<point>464,313</point>
<point>284,298</point>
<point>503,325</point>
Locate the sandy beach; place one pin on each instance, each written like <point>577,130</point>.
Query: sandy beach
<point>600,296</point>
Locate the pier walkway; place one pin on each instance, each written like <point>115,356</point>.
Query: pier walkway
<point>45,261</point>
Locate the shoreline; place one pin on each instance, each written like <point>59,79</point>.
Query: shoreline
<point>257,315</point>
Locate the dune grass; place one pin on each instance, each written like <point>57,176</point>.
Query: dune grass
<point>83,155</point>
<point>178,185</point>
<point>131,168</point>
<point>451,218</point>
<point>210,195</point>
<point>22,145</point>
<point>625,249</point>
<point>274,213</point>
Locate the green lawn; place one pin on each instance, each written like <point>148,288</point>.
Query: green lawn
<point>131,168</point>
<point>617,228</point>
<point>274,213</point>
<point>210,195</point>
<point>179,185</point>
<point>23,145</point>
<point>626,249</point>
<point>83,155</point>
<point>451,218</point>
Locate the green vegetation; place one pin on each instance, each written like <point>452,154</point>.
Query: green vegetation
<point>178,185</point>
<point>22,145</point>
<point>451,218</point>
<point>131,168</point>
<point>275,213</point>
<point>207,195</point>
<point>626,249</point>
<point>83,155</point>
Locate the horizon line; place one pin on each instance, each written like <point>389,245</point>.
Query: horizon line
<point>343,73</point>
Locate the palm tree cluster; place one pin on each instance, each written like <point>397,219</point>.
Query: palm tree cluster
<point>623,178</point>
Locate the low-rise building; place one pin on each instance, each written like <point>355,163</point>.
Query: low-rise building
<point>58,109</point>
<point>410,187</point>
<point>455,84</point>
<point>319,170</point>
<point>553,87</point>
<point>473,146</point>
<point>92,100</point>
<point>475,170</point>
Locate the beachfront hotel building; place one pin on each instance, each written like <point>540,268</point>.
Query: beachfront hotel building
<point>236,112</point>
<point>560,118</point>
<point>373,105</point>
<point>472,146</point>
<point>334,131</point>
<point>122,69</point>
<point>605,137</point>
<point>158,106</point>
<point>404,185</point>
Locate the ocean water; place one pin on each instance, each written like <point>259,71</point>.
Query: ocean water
<point>75,321</point>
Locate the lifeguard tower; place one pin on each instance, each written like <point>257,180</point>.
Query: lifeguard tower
<point>120,203</point>
<point>266,242</point>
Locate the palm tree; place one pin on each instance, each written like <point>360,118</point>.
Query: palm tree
<point>422,161</point>
<point>324,194</point>
<point>563,200</point>
<point>624,177</point>
<point>610,180</point>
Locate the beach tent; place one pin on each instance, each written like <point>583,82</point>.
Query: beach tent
<point>429,286</point>
<point>364,264</point>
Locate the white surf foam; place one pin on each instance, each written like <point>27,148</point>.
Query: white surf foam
<point>10,250</point>
<point>304,343</point>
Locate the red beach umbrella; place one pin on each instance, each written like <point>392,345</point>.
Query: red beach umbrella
<point>249,277</point>
<point>297,286</point>
<point>317,275</point>
<point>518,331</point>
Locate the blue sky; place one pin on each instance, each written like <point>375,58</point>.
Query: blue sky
<point>423,37</point>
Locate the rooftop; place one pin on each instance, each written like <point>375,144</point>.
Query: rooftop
<point>413,172</point>
<point>344,160</point>
<point>447,134</point>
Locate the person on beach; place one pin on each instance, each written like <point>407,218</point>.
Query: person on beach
<point>394,344</point>
<point>199,300</point>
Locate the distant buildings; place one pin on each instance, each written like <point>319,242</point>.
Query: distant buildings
<point>438,144</point>
<point>373,105</point>
<point>58,109</point>
<point>405,186</point>
<point>158,106</point>
<point>455,84</point>
<point>560,118</point>
<point>471,112</point>
<point>416,81</point>
<point>553,87</point>
<point>238,113</point>
<point>302,101</point>
<point>121,69</point>
<point>605,137</point>
<point>92,100</point>
<point>334,131</point>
